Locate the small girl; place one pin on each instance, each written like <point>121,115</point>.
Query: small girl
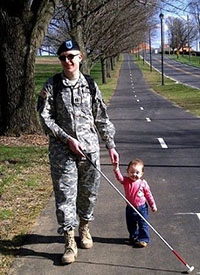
<point>138,193</point>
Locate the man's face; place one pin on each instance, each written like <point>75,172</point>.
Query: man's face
<point>70,60</point>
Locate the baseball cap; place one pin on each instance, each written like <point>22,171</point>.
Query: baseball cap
<point>68,45</point>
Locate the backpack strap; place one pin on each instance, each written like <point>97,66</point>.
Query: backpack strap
<point>91,85</point>
<point>56,79</point>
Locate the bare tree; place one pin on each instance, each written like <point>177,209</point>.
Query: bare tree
<point>103,28</point>
<point>181,33</point>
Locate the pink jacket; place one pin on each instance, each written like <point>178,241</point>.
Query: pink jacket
<point>138,192</point>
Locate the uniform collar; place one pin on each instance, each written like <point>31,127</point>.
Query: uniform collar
<point>80,82</point>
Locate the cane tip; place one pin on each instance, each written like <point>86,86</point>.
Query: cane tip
<point>190,269</point>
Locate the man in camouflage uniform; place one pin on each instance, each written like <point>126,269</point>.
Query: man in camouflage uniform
<point>71,115</point>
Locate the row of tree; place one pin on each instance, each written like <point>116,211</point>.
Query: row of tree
<point>103,28</point>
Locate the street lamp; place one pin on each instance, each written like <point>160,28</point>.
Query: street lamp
<point>188,21</point>
<point>150,50</point>
<point>162,46</point>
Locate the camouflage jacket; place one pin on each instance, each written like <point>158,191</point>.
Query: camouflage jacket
<point>74,113</point>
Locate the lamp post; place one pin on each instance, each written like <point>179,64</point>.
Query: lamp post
<point>188,21</point>
<point>150,51</point>
<point>143,52</point>
<point>162,46</point>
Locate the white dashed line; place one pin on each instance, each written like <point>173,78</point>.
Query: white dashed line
<point>190,213</point>
<point>141,108</point>
<point>162,143</point>
<point>148,119</point>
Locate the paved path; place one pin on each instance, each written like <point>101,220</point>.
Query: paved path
<point>172,170</point>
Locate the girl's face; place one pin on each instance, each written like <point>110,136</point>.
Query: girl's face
<point>135,172</point>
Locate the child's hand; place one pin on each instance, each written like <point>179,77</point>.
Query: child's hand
<point>154,209</point>
<point>116,167</point>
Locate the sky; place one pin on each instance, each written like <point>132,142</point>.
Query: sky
<point>172,8</point>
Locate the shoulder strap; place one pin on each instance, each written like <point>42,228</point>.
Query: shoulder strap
<point>92,87</point>
<point>56,79</point>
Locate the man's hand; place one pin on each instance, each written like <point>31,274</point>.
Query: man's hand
<point>114,156</point>
<point>75,146</point>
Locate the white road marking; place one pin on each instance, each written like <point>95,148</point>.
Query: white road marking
<point>148,119</point>
<point>189,213</point>
<point>141,108</point>
<point>162,143</point>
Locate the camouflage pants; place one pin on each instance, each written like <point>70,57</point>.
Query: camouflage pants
<point>76,184</point>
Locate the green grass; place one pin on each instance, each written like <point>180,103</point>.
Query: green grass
<point>194,60</point>
<point>184,96</point>
<point>6,214</point>
<point>22,154</point>
<point>42,73</point>
<point>96,73</point>
<point>25,187</point>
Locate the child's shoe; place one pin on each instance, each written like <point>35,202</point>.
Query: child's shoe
<point>141,244</point>
<point>133,241</point>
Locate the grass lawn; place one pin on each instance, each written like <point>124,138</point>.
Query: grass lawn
<point>24,190</point>
<point>192,60</point>
<point>25,184</point>
<point>184,96</point>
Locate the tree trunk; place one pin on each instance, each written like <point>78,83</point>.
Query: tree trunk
<point>108,68</point>
<point>103,70</point>
<point>17,82</point>
<point>112,63</point>
<point>22,31</point>
<point>77,31</point>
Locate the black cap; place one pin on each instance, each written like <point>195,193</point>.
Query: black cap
<point>68,45</point>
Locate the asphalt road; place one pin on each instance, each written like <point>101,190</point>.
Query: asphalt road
<point>185,74</point>
<point>167,139</point>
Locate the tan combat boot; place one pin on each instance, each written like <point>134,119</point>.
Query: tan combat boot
<point>84,233</point>
<point>70,248</point>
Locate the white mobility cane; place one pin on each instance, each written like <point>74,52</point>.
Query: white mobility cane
<point>190,268</point>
